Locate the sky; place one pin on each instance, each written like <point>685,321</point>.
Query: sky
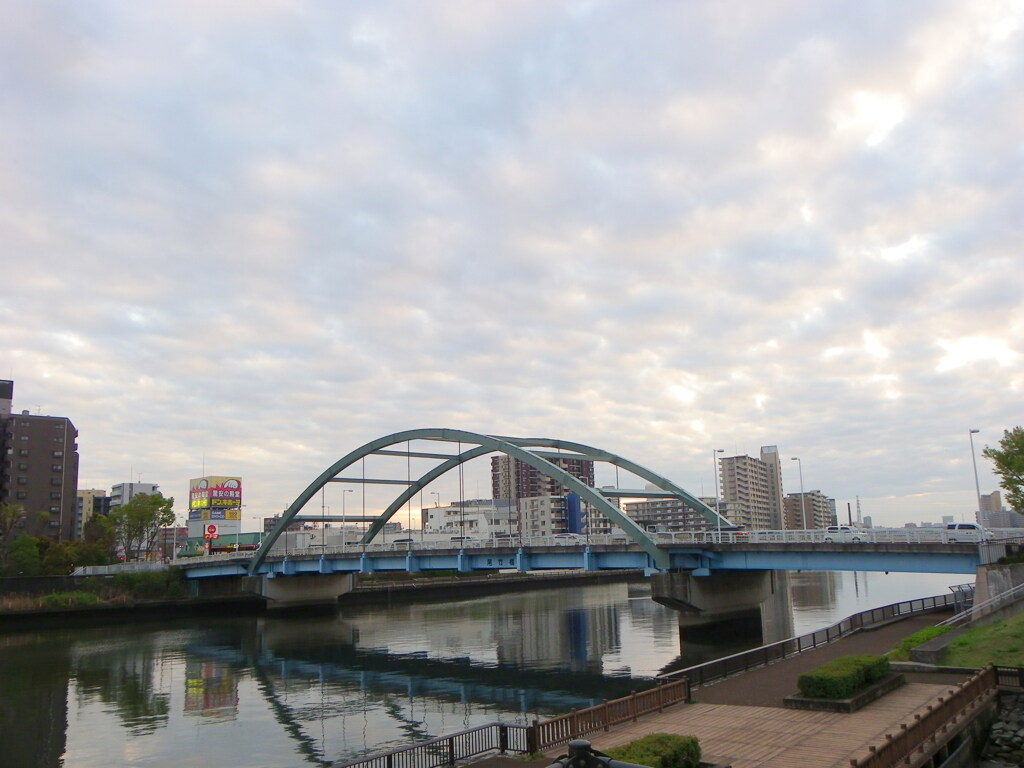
<point>246,238</point>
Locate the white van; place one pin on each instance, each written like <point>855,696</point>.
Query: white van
<point>966,532</point>
<point>845,533</point>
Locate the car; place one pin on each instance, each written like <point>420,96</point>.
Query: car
<point>966,532</point>
<point>570,538</point>
<point>845,533</point>
<point>461,539</point>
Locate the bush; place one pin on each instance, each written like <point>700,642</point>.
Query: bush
<point>902,650</point>
<point>660,750</point>
<point>68,600</point>
<point>151,585</point>
<point>841,678</point>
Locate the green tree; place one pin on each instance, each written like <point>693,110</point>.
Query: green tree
<point>99,534</point>
<point>138,522</point>
<point>1009,465</point>
<point>11,516</point>
<point>23,558</point>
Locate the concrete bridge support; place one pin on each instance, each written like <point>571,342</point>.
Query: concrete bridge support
<point>723,596</point>
<point>305,590</point>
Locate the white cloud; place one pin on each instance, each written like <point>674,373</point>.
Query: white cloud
<point>284,229</point>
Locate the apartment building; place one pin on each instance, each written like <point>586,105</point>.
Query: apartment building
<point>40,468</point>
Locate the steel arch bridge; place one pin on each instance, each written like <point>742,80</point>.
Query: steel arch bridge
<point>473,445</point>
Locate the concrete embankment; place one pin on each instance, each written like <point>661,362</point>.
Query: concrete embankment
<point>372,591</point>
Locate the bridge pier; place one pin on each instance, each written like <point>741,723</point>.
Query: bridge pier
<point>305,590</point>
<point>723,596</point>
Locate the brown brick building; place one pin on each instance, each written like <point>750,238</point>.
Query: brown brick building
<point>40,468</point>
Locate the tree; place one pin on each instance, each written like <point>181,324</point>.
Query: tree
<point>138,522</point>
<point>11,516</point>
<point>24,558</point>
<point>1009,465</point>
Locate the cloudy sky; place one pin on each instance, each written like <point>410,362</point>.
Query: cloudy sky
<point>248,237</point>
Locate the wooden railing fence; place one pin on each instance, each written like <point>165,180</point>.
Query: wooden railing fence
<point>929,731</point>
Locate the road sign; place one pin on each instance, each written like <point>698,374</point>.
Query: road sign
<point>211,530</point>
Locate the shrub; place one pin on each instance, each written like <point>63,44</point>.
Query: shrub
<point>843,677</point>
<point>68,600</point>
<point>151,585</point>
<point>660,750</point>
<point>902,650</point>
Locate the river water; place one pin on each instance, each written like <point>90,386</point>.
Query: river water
<point>240,692</point>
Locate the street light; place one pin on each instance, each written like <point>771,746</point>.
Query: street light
<point>437,498</point>
<point>718,501</point>
<point>977,488</point>
<point>803,496</point>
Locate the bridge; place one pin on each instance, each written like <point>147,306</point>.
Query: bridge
<point>738,561</point>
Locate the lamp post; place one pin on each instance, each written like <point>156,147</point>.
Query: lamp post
<point>977,488</point>
<point>803,496</point>
<point>437,498</point>
<point>718,501</point>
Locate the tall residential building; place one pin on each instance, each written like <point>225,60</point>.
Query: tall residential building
<point>752,490</point>
<point>746,492</point>
<point>667,515</point>
<point>809,510</point>
<point>514,479</point>
<point>122,493</point>
<point>773,465</point>
<point>40,468</point>
<point>89,503</point>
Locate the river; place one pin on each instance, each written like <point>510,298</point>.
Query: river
<point>243,692</point>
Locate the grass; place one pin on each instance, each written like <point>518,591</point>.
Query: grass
<point>999,643</point>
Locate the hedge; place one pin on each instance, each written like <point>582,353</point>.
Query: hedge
<point>660,750</point>
<point>841,678</point>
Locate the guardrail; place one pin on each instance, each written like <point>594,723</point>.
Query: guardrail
<point>565,728</point>
<point>980,610</point>
<point>917,740</point>
<point>497,737</point>
<point>713,537</point>
<point>719,669</point>
<point>448,750</point>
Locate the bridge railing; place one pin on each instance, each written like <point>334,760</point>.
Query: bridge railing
<point>719,669</point>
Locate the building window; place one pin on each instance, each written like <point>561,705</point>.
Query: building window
<point>54,494</point>
<point>58,467</point>
<point>54,510</point>
<point>58,454</point>
<point>23,452</point>
<point>55,481</point>
<point>22,480</point>
<point>22,465</point>
<point>20,495</point>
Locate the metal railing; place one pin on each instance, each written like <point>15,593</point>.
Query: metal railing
<point>450,749</point>
<point>719,669</point>
<point>928,732</point>
<point>979,610</point>
<point>565,728</point>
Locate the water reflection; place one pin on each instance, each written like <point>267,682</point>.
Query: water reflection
<point>260,691</point>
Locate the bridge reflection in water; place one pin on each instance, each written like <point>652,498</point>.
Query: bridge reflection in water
<point>259,691</point>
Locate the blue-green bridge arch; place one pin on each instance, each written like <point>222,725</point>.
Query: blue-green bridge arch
<point>473,445</point>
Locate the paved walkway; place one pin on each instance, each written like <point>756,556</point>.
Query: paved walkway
<point>741,722</point>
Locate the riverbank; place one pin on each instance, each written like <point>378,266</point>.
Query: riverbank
<point>391,589</point>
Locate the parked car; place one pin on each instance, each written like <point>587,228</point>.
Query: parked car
<point>966,532</point>
<point>845,533</point>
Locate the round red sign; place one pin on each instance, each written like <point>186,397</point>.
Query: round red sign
<point>211,529</point>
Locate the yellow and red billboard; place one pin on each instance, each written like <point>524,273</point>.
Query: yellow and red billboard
<point>215,497</point>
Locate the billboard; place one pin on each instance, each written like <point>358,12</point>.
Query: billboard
<point>214,493</point>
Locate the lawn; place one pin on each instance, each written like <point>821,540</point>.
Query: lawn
<point>999,643</point>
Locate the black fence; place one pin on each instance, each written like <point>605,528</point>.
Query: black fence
<point>702,674</point>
